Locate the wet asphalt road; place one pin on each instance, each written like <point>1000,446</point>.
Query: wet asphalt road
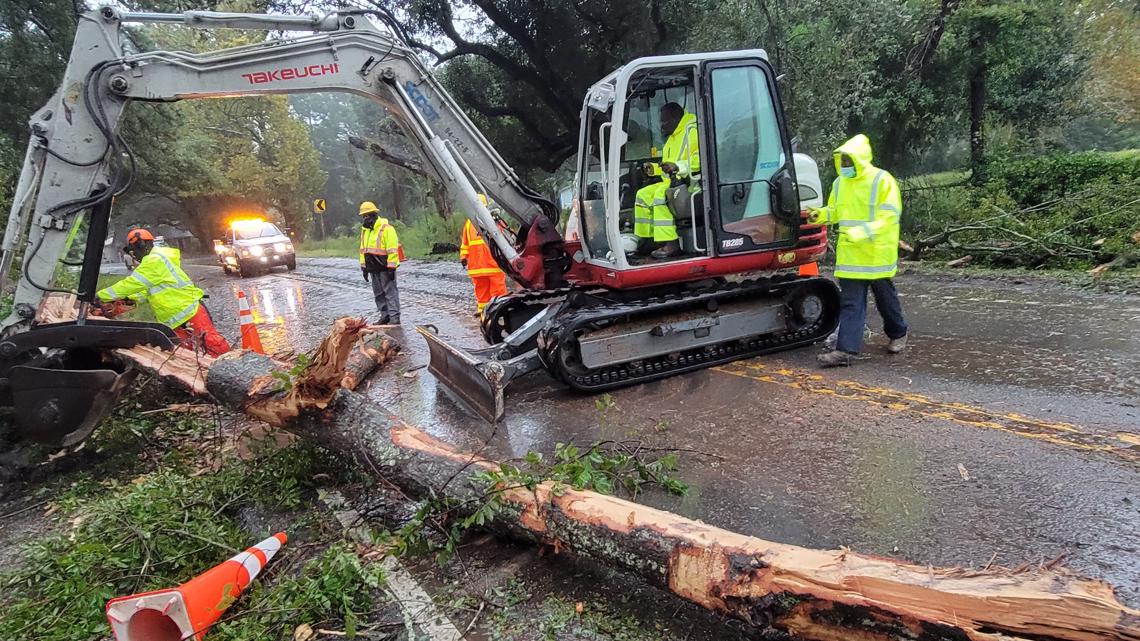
<point>1009,432</point>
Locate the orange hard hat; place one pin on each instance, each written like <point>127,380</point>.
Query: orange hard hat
<point>138,235</point>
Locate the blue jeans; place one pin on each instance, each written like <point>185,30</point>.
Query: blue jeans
<point>853,311</point>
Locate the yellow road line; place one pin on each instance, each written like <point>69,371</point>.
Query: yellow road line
<point>1123,444</point>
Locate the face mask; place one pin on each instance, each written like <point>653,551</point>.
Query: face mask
<point>847,172</point>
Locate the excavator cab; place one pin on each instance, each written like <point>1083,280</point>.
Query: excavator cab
<point>741,197</point>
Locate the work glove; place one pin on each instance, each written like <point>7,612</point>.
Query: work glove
<point>364,272</point>
<point>463,261</point>
<point>816,215</point>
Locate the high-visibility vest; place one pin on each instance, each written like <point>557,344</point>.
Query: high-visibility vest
<point>867,209</point>
<point>381,240</point>
<point>473,248</point>
<point>681,148</point>
<point>160,280</point>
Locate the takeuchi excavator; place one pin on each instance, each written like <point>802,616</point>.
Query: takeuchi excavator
<point>595,313</point>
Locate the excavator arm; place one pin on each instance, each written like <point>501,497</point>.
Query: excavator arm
<point>55,375</point>
<point>77,161</point>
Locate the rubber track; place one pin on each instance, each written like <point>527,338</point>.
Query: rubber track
<point>565,330</point>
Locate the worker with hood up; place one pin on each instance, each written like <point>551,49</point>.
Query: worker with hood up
<point>865,203</point>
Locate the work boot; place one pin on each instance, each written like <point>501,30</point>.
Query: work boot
<point>670,250</point>
<point>383,320</point>
<point>834,359</point>
<point>897,345</point>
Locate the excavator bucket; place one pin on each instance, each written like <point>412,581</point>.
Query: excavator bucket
<point>477,378</point>
<point>57,380</point>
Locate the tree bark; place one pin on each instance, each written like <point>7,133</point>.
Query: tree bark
<point>977,111</point>
<point>825,595</point>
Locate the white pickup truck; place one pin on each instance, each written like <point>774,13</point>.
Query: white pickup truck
<point>254,245</point>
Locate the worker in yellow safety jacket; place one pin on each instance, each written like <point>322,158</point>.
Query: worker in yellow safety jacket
<point>174,299</point>
<point>865,203</point>
<point>680,159</point>
<point>380,255</point>
<point>484,272</point>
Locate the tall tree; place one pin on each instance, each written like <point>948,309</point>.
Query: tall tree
<point>524,65</point>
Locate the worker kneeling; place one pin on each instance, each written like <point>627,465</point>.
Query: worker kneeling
<point>176,302</point>
<point>652,219</point>
<point>484,272</point>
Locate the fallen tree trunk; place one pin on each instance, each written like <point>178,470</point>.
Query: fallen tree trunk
<point>833,595</point>
<point>826,595</point>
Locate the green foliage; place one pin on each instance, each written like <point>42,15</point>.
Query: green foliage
<point>334,585</point>
<point>1062,211</point>
<point>162,529</point>
<point>1042,179</point>
<point>286,379</point>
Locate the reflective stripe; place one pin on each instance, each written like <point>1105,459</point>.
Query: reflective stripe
<point>140,278</point>
<point>250,562</point>
<point>874,195</point>
<point>639,219</point>
<point>650,205</point>
<point>178,280</point>
<point>889,207</point>
<point>859,223</point>
<point>664,223</point>
<point>484,271</point>
<point>479,241</point>
<point>867,269</point>
<point>182,316</point>
<point>835,192</point>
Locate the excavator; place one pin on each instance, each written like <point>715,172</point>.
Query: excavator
<point>593,312</point>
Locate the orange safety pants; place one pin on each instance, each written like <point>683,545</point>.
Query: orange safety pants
<point>488,287</point>
<point>199,331</point>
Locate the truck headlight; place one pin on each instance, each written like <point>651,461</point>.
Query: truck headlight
<point>256,250</point>
<point>281,248</point>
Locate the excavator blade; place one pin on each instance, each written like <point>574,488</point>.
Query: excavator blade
<point>478,382</point>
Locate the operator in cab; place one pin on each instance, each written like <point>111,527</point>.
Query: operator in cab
<point>176,302</point>
<point>380,255</point>
<point>489,281</point>
<point>652,219</point>
<point>866,204</point>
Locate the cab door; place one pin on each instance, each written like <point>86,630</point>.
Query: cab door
<point>751,174</point>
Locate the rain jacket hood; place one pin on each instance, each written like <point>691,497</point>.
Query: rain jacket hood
<point>859,150</point>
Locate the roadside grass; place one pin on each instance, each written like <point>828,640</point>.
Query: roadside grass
<point>114,535</point>
<point>417,240</point>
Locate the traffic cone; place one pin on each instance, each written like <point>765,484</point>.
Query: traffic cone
<point>809,269</point>
<point>188,611</point>
<point>249,336</point>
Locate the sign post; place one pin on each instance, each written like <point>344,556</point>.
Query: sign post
<point>318,211</point>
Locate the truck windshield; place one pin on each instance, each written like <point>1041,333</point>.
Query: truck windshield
<point>256,230</point>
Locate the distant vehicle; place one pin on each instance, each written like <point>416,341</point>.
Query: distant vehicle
<point>254,245</point>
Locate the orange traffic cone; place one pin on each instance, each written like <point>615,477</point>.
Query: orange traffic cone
<point>809,269</point>
<point>188,611</point>
<point>249,336</point>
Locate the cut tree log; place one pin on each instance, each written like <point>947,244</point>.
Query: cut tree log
<point>825,595</point>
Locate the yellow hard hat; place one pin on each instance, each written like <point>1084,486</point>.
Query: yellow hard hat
<point>483,199</point>
<point>368,207</point>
